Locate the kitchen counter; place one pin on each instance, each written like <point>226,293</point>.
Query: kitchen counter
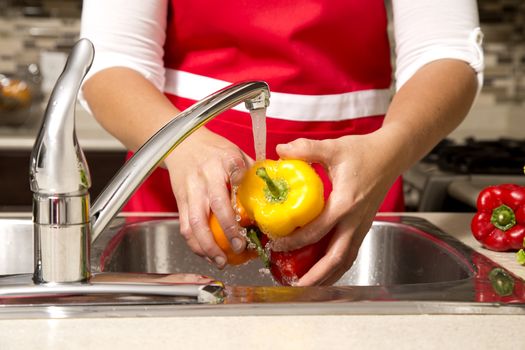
<point>468,331</point>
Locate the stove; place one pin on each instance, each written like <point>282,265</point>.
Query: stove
<point>451,176</point>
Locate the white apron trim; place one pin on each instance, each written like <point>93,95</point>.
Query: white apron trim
<point>304,108</point>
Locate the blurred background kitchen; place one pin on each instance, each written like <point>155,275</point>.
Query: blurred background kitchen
<point>488,148</point>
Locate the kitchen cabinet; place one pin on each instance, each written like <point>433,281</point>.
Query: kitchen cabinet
<point>15,194</point>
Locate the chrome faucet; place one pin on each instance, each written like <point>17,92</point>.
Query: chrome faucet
<point>64,224</point>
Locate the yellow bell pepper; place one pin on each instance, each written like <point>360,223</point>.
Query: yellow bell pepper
<point>281,196</point>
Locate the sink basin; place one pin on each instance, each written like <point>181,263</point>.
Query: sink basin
<point>16,246</point>
<point>393,253</point>
<point>402,258</point>
<point>405,265</point>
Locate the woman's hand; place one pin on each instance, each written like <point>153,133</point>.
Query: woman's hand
<point>361,177</point>
<point>201,170</point>
<point>363,167</point>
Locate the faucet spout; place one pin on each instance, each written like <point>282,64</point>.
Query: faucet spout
<point>254,94</point>
<point>64,225</point>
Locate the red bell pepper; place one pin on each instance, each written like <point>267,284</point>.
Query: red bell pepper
<point>499,223</point>
<point>288,267</point>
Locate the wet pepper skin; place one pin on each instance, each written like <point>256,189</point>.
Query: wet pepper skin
<point>222,241</point>
<point>288,267</point>
<point>499,223</point>
<point>281,196</point>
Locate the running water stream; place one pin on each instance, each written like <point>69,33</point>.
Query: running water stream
<point>259,133</point>
<point>259,141</point>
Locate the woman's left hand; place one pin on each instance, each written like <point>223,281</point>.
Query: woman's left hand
<point>361,175</point>
<point>363,167</point>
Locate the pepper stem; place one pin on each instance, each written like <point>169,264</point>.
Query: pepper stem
<point>277,190</point>
<point>503,217</point>
<point>520,257</point>
<point>254,238</point>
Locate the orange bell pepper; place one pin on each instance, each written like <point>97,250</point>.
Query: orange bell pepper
<point>222,241</point>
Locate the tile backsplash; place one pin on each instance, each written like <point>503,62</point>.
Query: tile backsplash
<point>503,25</point>
<point>35,36</point>
<point>499,110</point>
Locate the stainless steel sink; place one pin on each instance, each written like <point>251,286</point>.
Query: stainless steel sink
<point>393,253</point>
<point>405,265</point>
<point>16,246</point>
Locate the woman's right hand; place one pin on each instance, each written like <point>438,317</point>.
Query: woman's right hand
<point>202,170</point>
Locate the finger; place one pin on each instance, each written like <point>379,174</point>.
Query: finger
<point>184,226</point>
<point>356,243</point>
<point>309,234</point>
<point>313,231</point>
<point>198,211</point>
<point>342,252</point>
<point>329,263</point>
<point>194,245</point>
<point>336,274</point>
<point>186,232</point>
<point>305,149</point>
<point>220,204</point>
<point>199,225</point>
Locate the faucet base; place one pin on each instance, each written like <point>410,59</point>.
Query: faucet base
<point>61,253</point>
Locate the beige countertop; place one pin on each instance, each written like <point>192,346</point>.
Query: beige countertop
<point>423,331</point>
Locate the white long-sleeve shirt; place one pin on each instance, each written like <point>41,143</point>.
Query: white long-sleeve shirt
<point>131,33</point>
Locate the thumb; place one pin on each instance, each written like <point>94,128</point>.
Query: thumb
<point>311,151</point>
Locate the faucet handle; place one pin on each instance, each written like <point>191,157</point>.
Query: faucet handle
<point>58,165</point>
<point>59,175</point>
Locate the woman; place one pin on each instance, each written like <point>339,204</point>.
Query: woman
<point>328,66</point>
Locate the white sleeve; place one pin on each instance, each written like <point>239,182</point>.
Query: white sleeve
<point>127,33</point>
<point>428,30</point>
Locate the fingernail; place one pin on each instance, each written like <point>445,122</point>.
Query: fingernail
<point>237,244</point>
<point>219,261</point>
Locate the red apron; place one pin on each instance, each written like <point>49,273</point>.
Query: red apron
<point>327,64</point>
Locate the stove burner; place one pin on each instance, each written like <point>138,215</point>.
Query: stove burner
<point>502,156</point>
